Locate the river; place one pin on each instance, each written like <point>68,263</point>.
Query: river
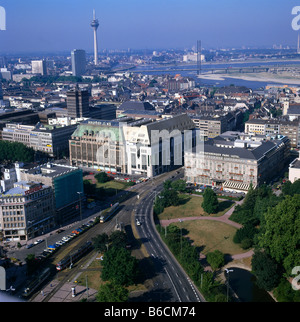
<point>186,71</point>
<point>243,284</point>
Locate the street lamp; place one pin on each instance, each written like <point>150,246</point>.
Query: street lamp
<point>228,271</point>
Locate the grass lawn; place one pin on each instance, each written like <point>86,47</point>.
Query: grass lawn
<point>111,188</point>
<point>211,235</point>
<point>190,206</point>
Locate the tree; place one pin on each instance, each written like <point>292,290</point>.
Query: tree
<point>179,185</point>
<point>247,232</point>
<point>170,198</point>
<point>101,242</point>
<point>119,266</point>
<point>281,235</point>
<point>215,259</point>
<point>266,270</point>
<point>111,292</point>
<point>210,202</point>
<point>102,177</point>
<point>118,239</point>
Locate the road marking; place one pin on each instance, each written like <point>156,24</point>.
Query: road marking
<point>173,284</point>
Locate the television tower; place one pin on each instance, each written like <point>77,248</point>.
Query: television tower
<point>95,25</point>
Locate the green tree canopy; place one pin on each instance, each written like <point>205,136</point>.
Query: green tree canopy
<point>281,236</point>
<point>210,202</point>
<point>111,292</point>
<point>101,242</point>
<point>102,177</point>
<point>15,151</point>
<point>265,270</point>
<point>119,266</point>
<point>179,185</point>
<point>215,259</point>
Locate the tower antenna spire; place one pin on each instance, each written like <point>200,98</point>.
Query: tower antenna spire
<point>95,25</point>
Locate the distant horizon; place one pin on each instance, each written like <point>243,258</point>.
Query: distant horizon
<point>36,26</point>
<point>103,52</point>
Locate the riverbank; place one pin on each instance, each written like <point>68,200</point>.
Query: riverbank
<point>259,77</point>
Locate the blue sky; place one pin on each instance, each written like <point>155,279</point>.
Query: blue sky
<point>62,25</point>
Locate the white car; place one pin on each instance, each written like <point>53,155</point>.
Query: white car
<point>138,223</point>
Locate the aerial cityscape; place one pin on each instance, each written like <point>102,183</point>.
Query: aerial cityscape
<point>149,153</point>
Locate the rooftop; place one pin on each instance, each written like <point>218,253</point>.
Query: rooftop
<point>51,169</point>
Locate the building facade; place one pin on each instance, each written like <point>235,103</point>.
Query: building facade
<point>39,67</point>
<point>52,140</point>
<point>26,211</point>
<point>125,145</point>
<point>67,184</point>
<point>78,59</point>
<point>294,170</point>
<point>235,161</point>
<point>158,147</point>
<point>100,145</point>
<point>78,103</point>
<point>291,129</point>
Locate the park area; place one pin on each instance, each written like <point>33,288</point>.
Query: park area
<point>100,189</point>
<point>190,206</point>
<point>204,232</point>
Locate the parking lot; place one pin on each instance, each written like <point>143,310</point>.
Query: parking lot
<point>218,190</point>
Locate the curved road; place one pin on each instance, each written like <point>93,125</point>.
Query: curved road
<point>172,276</point>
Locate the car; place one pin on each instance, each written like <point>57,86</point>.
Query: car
<point>29,246</point>
<point>38,241</point>
<point>138,223</point>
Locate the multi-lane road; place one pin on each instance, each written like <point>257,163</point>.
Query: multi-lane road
<point>169,282</point>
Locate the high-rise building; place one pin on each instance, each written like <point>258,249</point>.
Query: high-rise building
<point>78,103</point>
<point>39,67</point>
<point>95,25</point>
<point>78,62</point>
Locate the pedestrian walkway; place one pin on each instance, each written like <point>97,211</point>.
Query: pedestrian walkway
<point>225,218</point>
<point>64,294</point>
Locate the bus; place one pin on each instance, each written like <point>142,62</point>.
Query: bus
<point>70,259</point>
<point>107,213</point>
